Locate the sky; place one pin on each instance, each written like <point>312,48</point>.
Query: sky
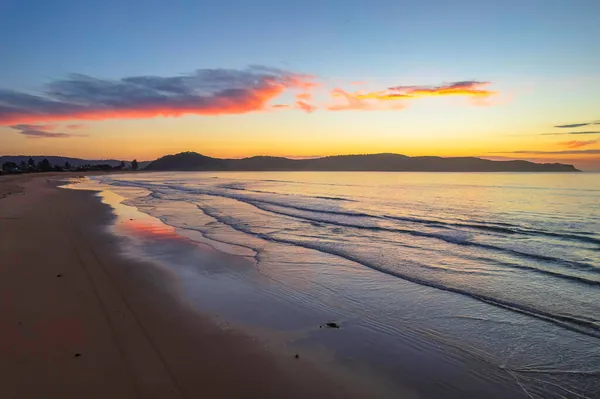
<point>140,79</point>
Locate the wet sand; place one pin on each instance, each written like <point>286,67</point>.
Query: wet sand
<point>77,320</point>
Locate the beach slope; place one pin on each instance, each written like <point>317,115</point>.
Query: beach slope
<point>77,320</point>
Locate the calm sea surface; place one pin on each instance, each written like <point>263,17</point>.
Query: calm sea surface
<point>504,267</point>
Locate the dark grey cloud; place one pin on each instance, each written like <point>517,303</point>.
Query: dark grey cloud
<point>204,92</point>
<point>41,131</point>
<point>572,125</point>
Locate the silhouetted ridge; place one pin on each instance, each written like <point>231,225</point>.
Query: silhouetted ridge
<point>190,161</point>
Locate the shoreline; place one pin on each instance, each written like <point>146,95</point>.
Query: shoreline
<point>429,365</point>
<point>81,320</point>
<point>190,313</point>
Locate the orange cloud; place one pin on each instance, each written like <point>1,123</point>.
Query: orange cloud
<point>304,96</point>
<point>75,126</point>
<point>280,106</point>
<point>372,100</point>
<point>305,106</point>
<point>206,92</point>
<point>577,143</point>
<point>353,102</point>
<point>302,99</point>
<point>466,88</point>
<point>357,101</point>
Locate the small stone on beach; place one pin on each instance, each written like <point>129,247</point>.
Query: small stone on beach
<point>77,354</point>
<point>297,356</point>
<point>332,325</point>
<point>59,275</point>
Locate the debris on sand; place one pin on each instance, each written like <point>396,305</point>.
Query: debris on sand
<point>332,325</point>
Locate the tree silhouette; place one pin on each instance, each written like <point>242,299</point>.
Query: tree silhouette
<point>23,165</point>
<point>67,165</point>
<point>134,164</point>
<point>122,166</point>
<point>44,165</point>
<point>9,166</point>
<point>31,163</point>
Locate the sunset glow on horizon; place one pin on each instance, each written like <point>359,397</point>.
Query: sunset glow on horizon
<point>340,80</point>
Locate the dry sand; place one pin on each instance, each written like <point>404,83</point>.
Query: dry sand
<point>79,321</point>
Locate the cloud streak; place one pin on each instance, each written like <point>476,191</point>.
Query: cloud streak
<point>360,100</point>
<point>204,92</point>
<point>577,143</point>
<point>304,106</point>
<point>471,88</point>
<point>562,134</point>
<point>572,152</point>
<point>572,125</point>
<point>42,131</point>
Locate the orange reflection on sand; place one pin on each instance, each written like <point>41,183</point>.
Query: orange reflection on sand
<point>150,229</point>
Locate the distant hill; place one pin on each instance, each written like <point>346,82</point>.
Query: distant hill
<point>190,161</point>
<point>60,161</point>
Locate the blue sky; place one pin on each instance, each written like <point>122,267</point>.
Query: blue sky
<point>541,56</point>
<point>336,39</point>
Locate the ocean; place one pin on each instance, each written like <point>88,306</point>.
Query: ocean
<point>500,269</point>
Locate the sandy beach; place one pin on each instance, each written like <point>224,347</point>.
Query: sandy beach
<point>136,286</point>
<point>77,320</point>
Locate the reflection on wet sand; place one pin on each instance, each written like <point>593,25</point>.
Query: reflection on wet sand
<point>147,229</point>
